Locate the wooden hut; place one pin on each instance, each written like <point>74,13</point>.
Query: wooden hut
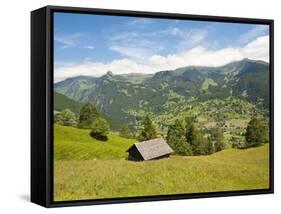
<point>149,150</point>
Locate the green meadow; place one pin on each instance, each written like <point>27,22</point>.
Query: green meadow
<point>85,168</point>
<point>77,144</point>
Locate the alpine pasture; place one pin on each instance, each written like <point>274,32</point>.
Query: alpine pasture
<point>85,168</point>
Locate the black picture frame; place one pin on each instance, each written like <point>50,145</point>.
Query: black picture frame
<point>42,104</point>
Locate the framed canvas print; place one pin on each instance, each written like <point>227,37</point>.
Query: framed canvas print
<point>134,106</point>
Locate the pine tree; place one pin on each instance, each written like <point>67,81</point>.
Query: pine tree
<point>87,115</point>
<point>176,139</point>
<point>196,140</point>
<point>148,132</point>
<point>256,133</point>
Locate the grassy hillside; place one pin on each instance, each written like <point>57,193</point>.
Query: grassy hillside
<point>62,102</point>
<point>77,144</point>
<point>223,171</point>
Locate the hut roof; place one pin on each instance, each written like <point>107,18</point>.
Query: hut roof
<point>154,148</point>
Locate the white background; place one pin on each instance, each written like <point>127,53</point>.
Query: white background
<point>15,106</point>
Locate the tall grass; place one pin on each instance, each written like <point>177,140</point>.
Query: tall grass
<point>223,171</point>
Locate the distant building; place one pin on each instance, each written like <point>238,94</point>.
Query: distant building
<point>149,150</point>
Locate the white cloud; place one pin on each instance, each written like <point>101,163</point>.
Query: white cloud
<point>132,52</point>
<point>190,38</point>
<point>91,47</point>
<point>67,41</point>
<point>124,36</point>
<point>257,49</point>
<point>135,45</point>
<point>72,40</point>
<point>142,45</point>
<point>258,30</point>
<point>139,22</point>
<point>98,69</point>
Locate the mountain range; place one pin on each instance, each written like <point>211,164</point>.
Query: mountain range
<point>128,96</point>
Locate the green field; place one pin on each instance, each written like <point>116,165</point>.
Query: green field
<point>85,168</point>
<point>77,144</point>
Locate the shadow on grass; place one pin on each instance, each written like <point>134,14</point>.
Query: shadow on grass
<point>99,136</point>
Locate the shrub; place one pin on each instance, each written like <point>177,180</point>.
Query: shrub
<point>99,127</point>
<point>219,146</point>
<point>209,147</point>
<point>65,118</point>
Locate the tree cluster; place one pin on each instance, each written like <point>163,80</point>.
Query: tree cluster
<point>177,140</point>
<point>65,118</point>
<point>89,118</point>
<point>256,133</point>
<point>188,140</point>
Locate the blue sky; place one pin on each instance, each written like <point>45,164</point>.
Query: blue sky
<point>94,44</point>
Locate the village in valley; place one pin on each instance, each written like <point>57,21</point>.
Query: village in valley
<point>189,137</point>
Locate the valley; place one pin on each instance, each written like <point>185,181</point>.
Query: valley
<point>226,97</point>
